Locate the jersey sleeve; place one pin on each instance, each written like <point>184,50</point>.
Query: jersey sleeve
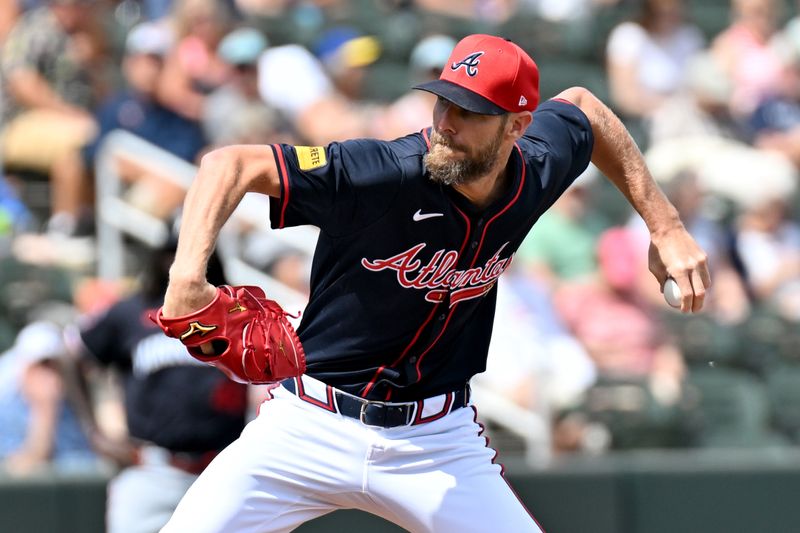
<point>339,188</point>
<point>101,337</point>
<point>559,145</point>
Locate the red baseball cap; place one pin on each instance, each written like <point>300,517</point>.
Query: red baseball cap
<point>488,75</point>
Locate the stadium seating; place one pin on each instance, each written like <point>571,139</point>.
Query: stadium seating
<point>732,409</point>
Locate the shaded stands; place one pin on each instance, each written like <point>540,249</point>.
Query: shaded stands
<point>634,418</point>
<point>744,380</point>
<point>25,289</point>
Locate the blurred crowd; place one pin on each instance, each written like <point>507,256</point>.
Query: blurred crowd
<point>709,89</point>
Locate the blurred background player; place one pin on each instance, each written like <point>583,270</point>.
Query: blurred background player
<point>179,412</point>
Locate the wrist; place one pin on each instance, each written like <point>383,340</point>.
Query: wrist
<point>186,277</point>
<point>664,224</point>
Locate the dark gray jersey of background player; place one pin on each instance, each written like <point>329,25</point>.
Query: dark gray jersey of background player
<point>171,399</point>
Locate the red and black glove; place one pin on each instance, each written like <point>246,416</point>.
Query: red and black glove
<point>252,340</point>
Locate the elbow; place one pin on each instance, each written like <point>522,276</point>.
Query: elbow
<point>577,95</point>
<point>585,100</point>
<point>244,168</point>
<point>218,158</point>
<point>220,167</point>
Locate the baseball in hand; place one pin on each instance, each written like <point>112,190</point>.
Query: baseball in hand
<point>672,293</point>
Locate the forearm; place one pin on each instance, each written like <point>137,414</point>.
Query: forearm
<point>225,175</point>
<point>617,157</point>
<point>216,191</point>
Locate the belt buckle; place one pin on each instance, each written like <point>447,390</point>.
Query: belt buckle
<point>363,412</point>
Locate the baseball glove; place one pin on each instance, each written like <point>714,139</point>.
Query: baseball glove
<point>252,340</point>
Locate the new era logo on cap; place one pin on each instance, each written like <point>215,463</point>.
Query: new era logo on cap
<point>488,75</point>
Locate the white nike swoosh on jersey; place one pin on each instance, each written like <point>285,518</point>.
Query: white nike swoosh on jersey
<point>419,216</point>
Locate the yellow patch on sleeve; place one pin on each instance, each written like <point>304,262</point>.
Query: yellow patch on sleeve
<point>311,157</point>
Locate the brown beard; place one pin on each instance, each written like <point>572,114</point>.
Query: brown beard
<point>444,169</point>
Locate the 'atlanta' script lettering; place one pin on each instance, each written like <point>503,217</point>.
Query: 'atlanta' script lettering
<point>439,273</point>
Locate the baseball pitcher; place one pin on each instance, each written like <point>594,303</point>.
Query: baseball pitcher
<point>373,410</point>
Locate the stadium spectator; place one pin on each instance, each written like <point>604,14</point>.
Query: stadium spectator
<point>748,58</point>
<point>192,68</point>
<point>345,53</point>
<point>768,243</point>
<point>40,427</point>
<point>52,63</point>
<point>647,57</point>
<point>135,109</point>
<point>775,123</point>
<point>235,113</point>
<point>296,82</point>
<point>700,109</point>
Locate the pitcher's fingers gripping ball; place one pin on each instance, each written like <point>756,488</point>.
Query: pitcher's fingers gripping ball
<point>252,340</point>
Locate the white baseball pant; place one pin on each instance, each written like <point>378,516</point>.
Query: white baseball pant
<point>297,461</point>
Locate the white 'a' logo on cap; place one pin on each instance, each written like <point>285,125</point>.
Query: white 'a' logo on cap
<point>470,64</point>
<point>522,100</point>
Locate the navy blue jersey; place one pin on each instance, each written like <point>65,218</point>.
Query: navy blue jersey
<point>403,276</point>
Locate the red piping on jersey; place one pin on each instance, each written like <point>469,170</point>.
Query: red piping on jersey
<point>502,468</point>
<point>431,345</point>
<point>425,136</point>
<point>418,419</point>
<point>512,202</point>
<point>284,176</point>
<point>469,229</point>
<point>374,379</point>
<point>301,393</point>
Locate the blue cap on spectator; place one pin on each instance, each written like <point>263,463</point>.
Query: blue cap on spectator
<point>431,53</point>
<point>345,46</point>
<point>242,47</point>
<point>148,38</point>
